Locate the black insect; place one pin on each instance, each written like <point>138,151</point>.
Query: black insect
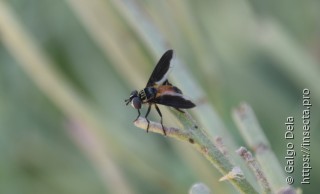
<point>159,91</point>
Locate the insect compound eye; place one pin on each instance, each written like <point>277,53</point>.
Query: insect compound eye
<point>136,103</point>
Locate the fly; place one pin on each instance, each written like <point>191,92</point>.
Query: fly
<point>159,91</point>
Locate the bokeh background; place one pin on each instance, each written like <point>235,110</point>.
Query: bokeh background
<point>66,67</point>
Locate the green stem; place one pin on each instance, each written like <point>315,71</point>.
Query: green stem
<point>255,138</point>
<point>256,169</point>
<point>195,135</point>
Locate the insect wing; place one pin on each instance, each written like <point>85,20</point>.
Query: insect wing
<point>161,71</point>
<point>175,100</point>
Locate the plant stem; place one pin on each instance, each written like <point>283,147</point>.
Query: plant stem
<point>254,136</point>
<point>255,167</point>
<point>195,135</point>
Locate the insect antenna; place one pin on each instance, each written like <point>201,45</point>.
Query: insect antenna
<point>127,101</point>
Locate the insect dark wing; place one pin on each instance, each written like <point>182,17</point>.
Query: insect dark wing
<point>160,72</point>
<point>174,100</point>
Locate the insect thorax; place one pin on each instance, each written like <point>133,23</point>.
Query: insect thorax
<point>147,93</point>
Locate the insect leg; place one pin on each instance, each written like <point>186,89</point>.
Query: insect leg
<point>138,115</point>
<point>159,112</point>
<point>167,83</point>
<point>179,110</point>
<point>148,111</point>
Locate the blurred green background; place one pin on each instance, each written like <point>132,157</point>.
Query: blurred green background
<point>66,67</point>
